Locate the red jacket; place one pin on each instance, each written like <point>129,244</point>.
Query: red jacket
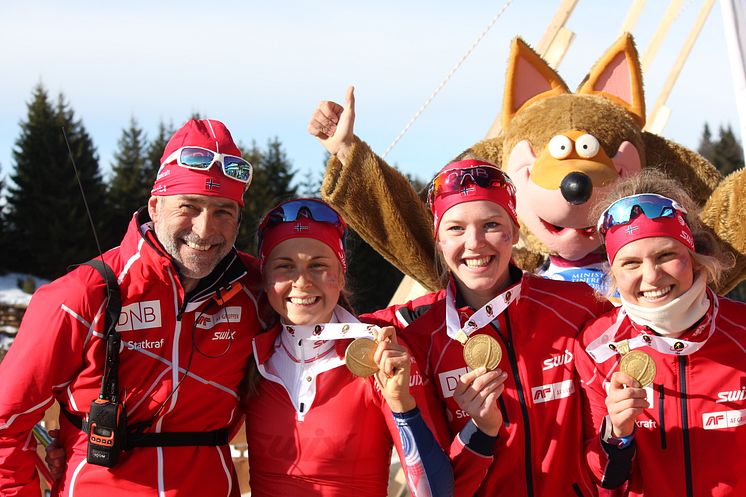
<point>185,357</point>
<point>691,440</point>
<point>539,447</point>
<point>342,445</point>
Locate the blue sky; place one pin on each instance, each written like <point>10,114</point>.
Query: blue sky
<point>262,67</point>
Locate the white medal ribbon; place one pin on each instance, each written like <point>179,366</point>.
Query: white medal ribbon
<point>482,317</point>
<point>604,347</point>
<point>348,327</point>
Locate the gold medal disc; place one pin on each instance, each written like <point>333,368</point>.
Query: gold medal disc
<point>639,366</point>
<point>359,357</point>
<point>482,350</point>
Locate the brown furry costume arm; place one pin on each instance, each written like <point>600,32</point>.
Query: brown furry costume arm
<point>725,214</point>
<point>380,204</point>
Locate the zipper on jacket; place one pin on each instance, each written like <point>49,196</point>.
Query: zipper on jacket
<point>504,411</point>
<point>661,418</point>
<point>685,427</point>
<point>524,407</point>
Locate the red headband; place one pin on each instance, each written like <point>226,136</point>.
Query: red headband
<point>176,180</point>
<point>326,233</point>
<point>642,227</point>
<point>503,195</point>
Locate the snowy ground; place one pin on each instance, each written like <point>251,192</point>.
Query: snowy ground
<point>10,294</point>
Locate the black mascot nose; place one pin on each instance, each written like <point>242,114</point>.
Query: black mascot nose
<point>577,188</point>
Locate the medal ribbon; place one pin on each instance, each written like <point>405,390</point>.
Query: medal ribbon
<point>604,347</point>
<point>481,318</point>
<point>351,328</point>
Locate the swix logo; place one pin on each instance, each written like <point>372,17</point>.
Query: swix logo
<point>553,391</point>
<point>140,316</point>
<point>732,395</point>
<point>723,419</point>
<point>415,380</point>
<point>555,361</point>
<point>449,381</point>
<point>224,335</point>
<point>646,423</point>
<point>231,314</point>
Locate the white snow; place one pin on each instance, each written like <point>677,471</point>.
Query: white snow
<point>10,294</point>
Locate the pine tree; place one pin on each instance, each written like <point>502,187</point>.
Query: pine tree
<point>726,153</point>
<point>155,152</point>
<point>4,246</point>
<point>706,147</point>
<point>47,221</point>
<point>273,175</point>
<point>130,184</point>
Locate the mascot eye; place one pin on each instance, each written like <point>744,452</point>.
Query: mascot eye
<point>587,146</point>
<point>560,147</point>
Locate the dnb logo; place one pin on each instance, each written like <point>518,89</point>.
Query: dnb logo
<point>140,316</point>
<point>723,419</point>
<point>449,380</point>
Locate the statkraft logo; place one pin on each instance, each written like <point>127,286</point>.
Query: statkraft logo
<point>559,360</point>
<point>449,381</point>
<point>231,315</point>
<point>553,391</point>
<point>723,419</point>
<point>140,316</point>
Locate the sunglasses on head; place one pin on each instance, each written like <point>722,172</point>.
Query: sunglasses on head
<point>627,209</point>
<point>202,159</point>
<point>306,208</point>
<point>459,181</point>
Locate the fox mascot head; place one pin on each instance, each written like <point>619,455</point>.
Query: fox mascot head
<point>565,150</point>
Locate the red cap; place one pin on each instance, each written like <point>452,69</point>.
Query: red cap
<point>642,227</point>
<point>173,179</point>
<point>500,190</point>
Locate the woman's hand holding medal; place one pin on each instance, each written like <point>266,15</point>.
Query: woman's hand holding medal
<point>477,393</point>
<point>625,402</point>
<point>394,364</point>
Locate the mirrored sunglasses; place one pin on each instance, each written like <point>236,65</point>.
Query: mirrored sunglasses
<point>627,209</point>
<point>202,159</point>
<point>293,210</point>
<point>459,180</point>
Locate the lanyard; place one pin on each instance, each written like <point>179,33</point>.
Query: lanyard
<point>351,327</point>
<point>482,317</point>
<point>604,347</point>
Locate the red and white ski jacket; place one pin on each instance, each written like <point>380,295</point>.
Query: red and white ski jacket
<point>691,440</point>
<point>336,441</point>
<point>539,447</point>
<point>181,362</point>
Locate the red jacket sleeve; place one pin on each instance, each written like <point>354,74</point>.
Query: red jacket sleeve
<point>45,357</point>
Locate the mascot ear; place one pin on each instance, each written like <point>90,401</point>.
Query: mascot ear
<point>528,79</point>
<point>618,77</point>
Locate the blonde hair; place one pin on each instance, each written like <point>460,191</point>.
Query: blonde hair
<point>707,255</point>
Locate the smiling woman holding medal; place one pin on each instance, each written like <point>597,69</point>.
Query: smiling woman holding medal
<point>672,358</point>
<point>496,344</point>
<point>312,427</point>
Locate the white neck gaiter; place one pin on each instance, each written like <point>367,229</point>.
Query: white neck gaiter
<point>674,318</point>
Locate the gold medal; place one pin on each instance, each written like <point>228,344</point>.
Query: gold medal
<point>482,350</point>
<point>359,357</point>
<point>639,366</point>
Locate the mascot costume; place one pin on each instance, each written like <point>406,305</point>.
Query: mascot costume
<point>564,151</point>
